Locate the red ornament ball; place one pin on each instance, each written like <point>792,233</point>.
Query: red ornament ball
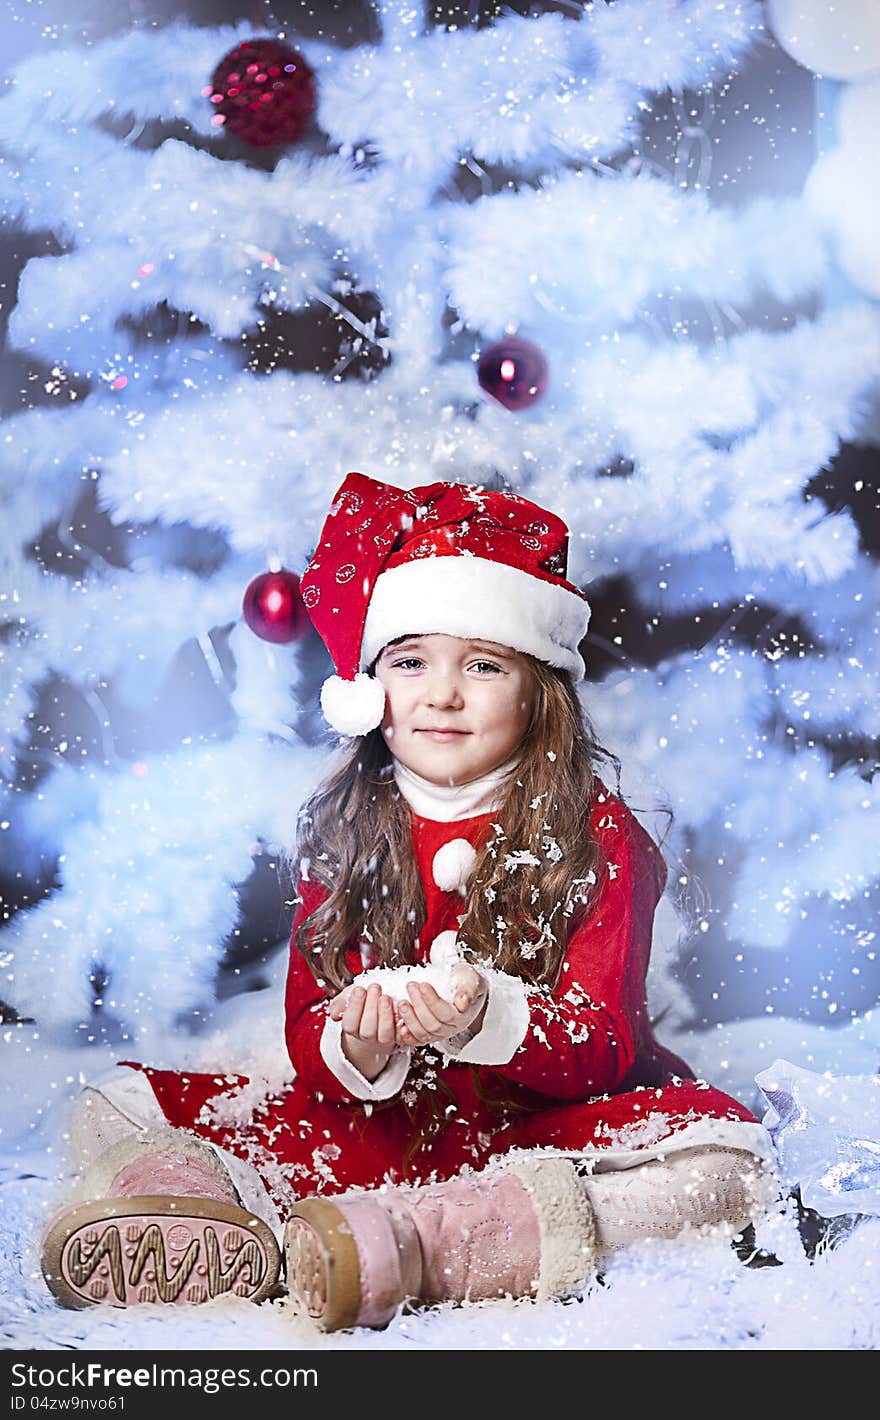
<point>263,92</point>
<point>273,607</point>
<point>514,372</point>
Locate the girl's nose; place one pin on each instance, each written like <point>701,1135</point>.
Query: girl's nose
<point>444,690</point>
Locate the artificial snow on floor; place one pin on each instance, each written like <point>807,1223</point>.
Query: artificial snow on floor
<point>689,1294</point>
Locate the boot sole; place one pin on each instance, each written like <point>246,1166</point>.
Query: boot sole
<point>323,1269</point>
<point>179,1251</point>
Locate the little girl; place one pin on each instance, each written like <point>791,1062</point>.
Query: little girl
<point>478,1108</point>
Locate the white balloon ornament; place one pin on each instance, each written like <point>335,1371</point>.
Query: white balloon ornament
<point>839,39</point>
<point>858,118</point>
<point>843,191</point>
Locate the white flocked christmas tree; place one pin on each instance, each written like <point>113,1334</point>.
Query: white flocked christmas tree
<point>459,185</point>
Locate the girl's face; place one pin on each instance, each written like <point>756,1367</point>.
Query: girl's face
<point>477,694</point>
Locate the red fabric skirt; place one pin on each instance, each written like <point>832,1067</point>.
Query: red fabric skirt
<point>301,1144</point>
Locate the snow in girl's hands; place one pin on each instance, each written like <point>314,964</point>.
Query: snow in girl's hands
<point>437,972</point>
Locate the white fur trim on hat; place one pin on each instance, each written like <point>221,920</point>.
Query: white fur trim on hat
<point>453,864</point>
<point>472,596</point>
<point>353,707</point>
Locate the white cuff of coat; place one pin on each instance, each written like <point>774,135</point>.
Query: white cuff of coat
<point>388,1081</point>
<point>504,1024</point>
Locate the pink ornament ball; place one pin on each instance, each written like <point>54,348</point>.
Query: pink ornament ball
<point>264,92</point>
<point>273,608</point>
<point>514,372</point>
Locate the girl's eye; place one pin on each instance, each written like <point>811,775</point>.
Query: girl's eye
<point>406,662</point>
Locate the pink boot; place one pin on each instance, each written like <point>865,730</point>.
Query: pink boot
<point>516,1230</point>
<point>166,1226</point>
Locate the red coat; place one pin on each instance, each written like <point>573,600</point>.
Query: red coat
<point>588,1076</point>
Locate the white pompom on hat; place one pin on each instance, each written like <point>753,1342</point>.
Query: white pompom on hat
<point>451,558</point>
<point>353,707</point>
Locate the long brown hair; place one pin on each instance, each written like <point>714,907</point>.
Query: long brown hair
<point>535,878</point>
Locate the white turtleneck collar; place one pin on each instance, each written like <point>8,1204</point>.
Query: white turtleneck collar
<point>447,803</point>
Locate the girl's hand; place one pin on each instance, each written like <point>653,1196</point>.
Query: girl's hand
<point>426,1017</point>
<point>368,1027</point>
<point>366,1015</point>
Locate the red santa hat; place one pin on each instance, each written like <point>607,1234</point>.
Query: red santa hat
<point>446,557</point>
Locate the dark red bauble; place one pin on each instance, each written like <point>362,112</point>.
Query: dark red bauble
<point>273,607</point>
<point>264,92</point>
<point>514,372</point>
